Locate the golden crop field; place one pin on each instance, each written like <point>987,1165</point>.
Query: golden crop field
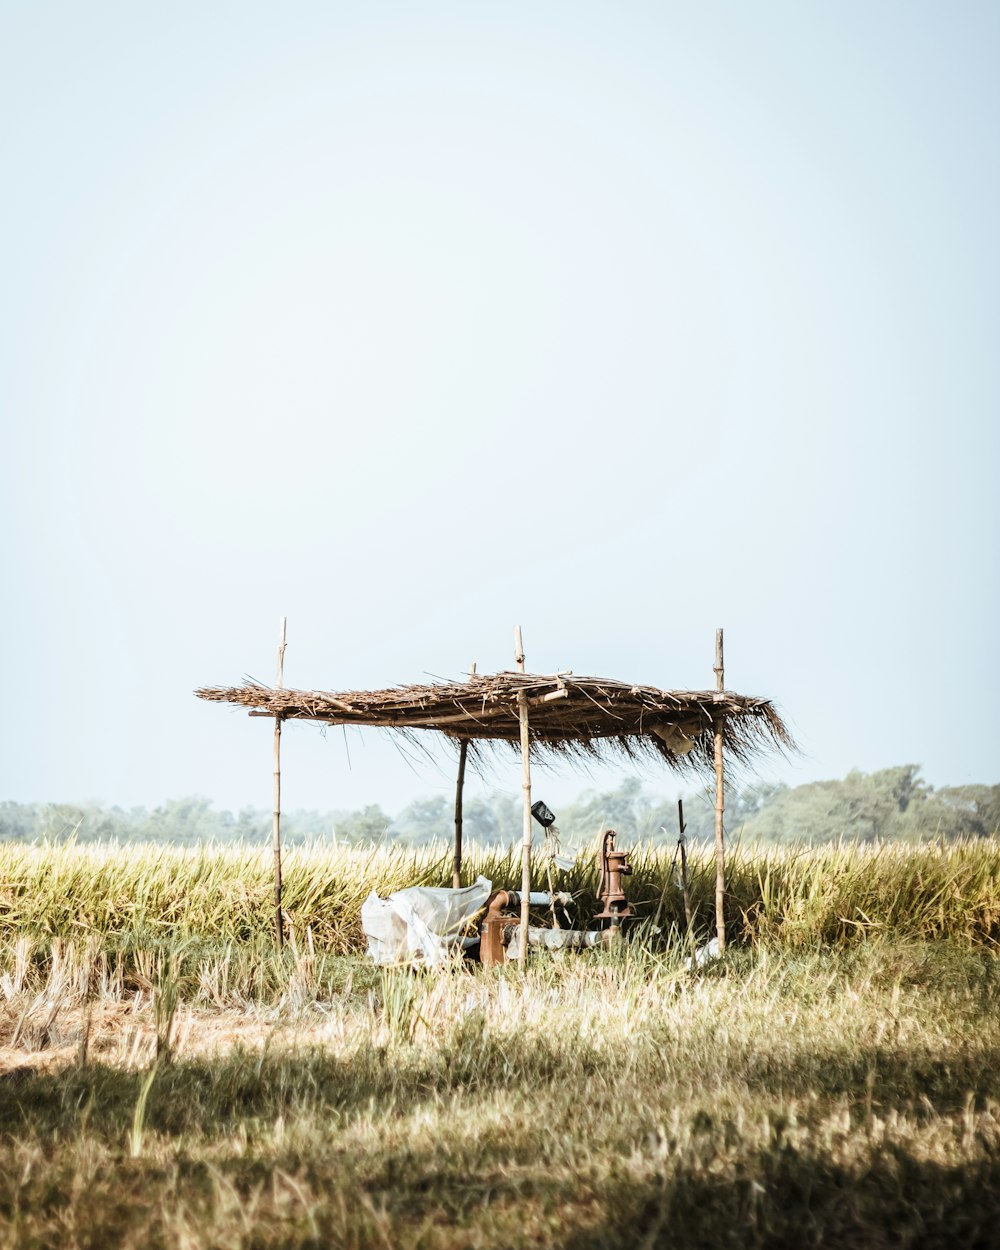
<point>168,1078</point>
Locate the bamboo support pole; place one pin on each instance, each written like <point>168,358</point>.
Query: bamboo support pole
<point>279,925</point>
<point>522,711</point>
<point>463,753</point>
<point>456,872</point>
<point>720,805</point>
<point>682,844</point>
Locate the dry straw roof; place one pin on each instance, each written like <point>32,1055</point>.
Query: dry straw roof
<point>568,715</point>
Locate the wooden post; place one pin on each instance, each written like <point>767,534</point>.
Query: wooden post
<point>685,891</point>
<point>522,712</point>
<point>463,751</point>
<point>720,805</point>
<point>456,872</point>
<point>279,925</point>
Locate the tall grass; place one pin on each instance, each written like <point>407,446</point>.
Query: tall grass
<point>169,1079</point>
<point>140,896</point>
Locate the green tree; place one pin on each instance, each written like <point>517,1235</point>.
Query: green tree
<point>370,824</point>
<point>425,820</point>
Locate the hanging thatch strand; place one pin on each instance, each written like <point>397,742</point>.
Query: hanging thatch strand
<point>584,716</point>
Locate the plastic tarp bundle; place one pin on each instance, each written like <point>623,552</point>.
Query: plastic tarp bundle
<point>418,925</point>
<point>703,955</point>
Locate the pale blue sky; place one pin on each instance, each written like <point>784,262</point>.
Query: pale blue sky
<point>414,322</point>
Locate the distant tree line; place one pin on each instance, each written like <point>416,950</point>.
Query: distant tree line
<point>892,804</point>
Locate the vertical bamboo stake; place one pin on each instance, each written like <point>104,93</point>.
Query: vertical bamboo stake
<point>682,844</point>
<point>720,805</point>
<point>279,927</point>
<point>463,751</point>
<point>522,712</point>
<point>456,872</point>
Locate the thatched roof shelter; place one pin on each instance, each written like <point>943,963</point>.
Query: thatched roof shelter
<point>560,715</point>
<point>588,717</point>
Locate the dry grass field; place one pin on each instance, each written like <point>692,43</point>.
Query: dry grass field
<point>168,1079</point>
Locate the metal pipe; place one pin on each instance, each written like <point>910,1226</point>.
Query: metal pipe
<point>498,917</point>
<point>537,898</point>
<point>557,939</point>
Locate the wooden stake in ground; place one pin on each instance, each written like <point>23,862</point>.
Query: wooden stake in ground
<point>670,876</point>
<point>463,751</point>
<point>682,847</point>
<point>720,805</point>
<point>279,925</point>
<point>522,712</point>
<point>456,872</point>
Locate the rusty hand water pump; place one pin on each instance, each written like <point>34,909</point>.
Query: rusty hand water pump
<point>614,866</point>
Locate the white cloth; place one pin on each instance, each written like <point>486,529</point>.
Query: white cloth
<point>417,925</point>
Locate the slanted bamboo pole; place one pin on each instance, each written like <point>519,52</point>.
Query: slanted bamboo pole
<point>720,804</point>
<point>279,926</point>
<point>522,712</point>
<point>463,752</point>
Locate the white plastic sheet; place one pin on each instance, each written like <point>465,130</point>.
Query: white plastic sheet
<point>704,954</point>
<point>418,925</point>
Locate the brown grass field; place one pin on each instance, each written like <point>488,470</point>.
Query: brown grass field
<point>167,1079</point>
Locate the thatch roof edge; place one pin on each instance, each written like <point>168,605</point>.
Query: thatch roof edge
<point>568,715</point>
